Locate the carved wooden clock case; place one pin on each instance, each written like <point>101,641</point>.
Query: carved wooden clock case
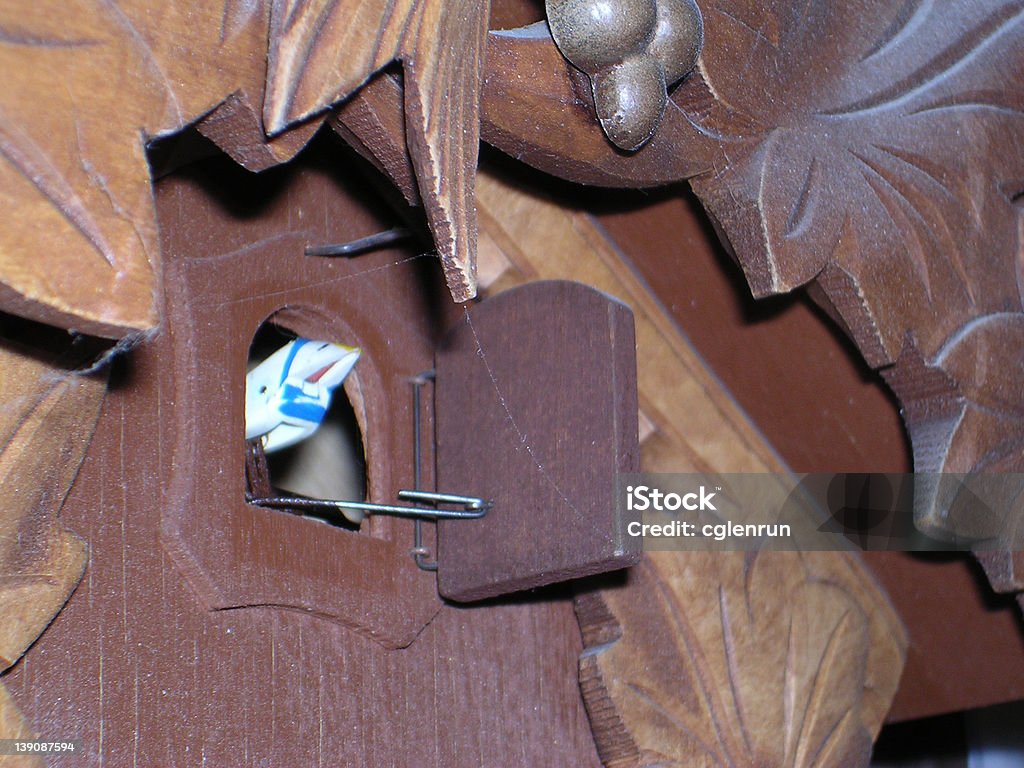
<point>209,630</point>
<point>206,628</point>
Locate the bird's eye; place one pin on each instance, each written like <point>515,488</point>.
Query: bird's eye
<point>263,389</point>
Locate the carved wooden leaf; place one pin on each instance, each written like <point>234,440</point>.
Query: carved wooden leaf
<point>875,147</point>
<point>86,84</point>
<point>880,138</point>
<point>711,659</point>
<point>871,149</point>
<point>321,52</point>
<point>47,416</point>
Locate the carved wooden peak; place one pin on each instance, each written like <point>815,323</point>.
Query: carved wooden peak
<point>709,659</point>
<point>85,91</point>
<point>322,52</point>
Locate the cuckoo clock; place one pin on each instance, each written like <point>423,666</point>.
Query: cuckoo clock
<point>175,184</point>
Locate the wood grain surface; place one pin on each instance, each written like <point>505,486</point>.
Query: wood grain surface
<point>46,421</point>
<point>640,696</point>
<point>14,726</point>
<point>769,658</point>
<point>88,88</point>
<point>527,234</point>
<point>537,412</point>
<point>299,681</point>
<point>821,410</point>
<point>222,282</point>
<point>687,421</point>
<point>372,122</point>
<point>869,150</point>
<point>85,88</point>
<point>145,667</point>
<point>322,52</point>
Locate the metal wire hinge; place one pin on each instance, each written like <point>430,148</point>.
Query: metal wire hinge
<point>471,506</point>
<point>468,507</point>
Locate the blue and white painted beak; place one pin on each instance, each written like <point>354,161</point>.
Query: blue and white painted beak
<point>287,395</point>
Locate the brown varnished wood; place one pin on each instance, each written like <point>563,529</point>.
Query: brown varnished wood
<point>692,424</point>
<point>966,643</point>
<point>789,368</point>
<point>536,411</point>
<point>509,14</point>
<point>871,149</point>
<point>236,126</point>
<point>824,411</point>
<point>528,234</point>
<point>216,299</point>
<point>321,52</point>
<point>772,658</point>
<point>48,415</point>
<point>272,645</point>
<point>688,422</point>
<point>794,376</point>
<point>144,668</point>
<point>85,89</point>
<point>372,122</point>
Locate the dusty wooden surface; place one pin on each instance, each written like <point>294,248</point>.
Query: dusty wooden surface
<point>869,150</point>
<point>144,664</point>
<point>536,411</point>
<point>639,693</point>
<point>14,726</point>
<point>771,658</point>
<point>822,410</point>
<point>47,418</point>
<point>86,90</point>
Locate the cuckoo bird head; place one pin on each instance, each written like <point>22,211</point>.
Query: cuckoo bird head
<point>287,395</point>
